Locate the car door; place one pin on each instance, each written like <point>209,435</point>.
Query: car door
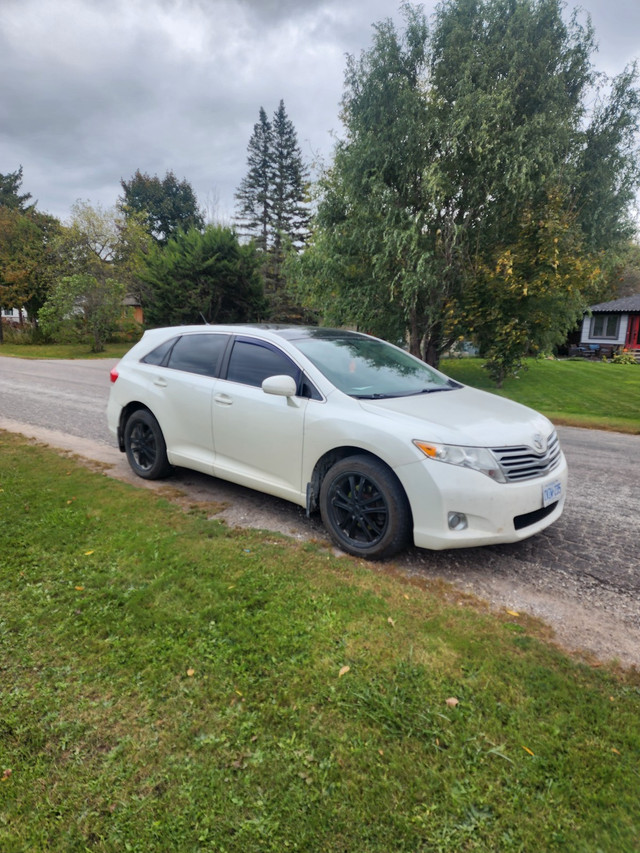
<point>183,386</point>
<point>258,437</point>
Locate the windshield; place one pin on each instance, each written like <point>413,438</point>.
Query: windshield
<point>371,369</point>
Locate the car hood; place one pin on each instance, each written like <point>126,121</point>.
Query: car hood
<point>463,416</point>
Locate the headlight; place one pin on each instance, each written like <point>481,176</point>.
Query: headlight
<point>477,458</point>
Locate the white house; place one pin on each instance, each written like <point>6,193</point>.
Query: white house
<point>14,316</point>
<point>610,326</point>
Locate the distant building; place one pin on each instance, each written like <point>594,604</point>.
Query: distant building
<point>612,325</point>
<point>14,316</point>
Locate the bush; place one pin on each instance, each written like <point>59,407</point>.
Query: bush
<point>623,357</point>
<point>14,334</point>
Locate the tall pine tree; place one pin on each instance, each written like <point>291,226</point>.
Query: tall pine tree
<point>254,197</point>
<point>271,199</point>
<point>290,213</point>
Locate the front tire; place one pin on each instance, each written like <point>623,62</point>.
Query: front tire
<point>145,446</point>
<point>364,508</point>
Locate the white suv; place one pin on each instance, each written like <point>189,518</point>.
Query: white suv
<point>387,448</point>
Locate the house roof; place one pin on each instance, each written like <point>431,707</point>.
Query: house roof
<point>627,305</point>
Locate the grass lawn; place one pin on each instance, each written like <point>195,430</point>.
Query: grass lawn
<point>62,350</point>
<point>168,684</point>
<point>599,395</point>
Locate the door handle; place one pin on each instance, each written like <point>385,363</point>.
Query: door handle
<point>223,399</point>
<point>160,382</point>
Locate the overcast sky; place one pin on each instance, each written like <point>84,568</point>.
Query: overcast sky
<point>91,90</point>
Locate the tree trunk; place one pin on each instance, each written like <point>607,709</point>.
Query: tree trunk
<point>431,352</point>
<point>414,339</point>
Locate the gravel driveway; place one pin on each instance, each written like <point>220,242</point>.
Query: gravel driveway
<point>581,576</point>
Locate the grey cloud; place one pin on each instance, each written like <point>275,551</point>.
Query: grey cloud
<point>91,90</point>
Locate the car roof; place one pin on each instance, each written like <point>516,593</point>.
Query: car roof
<point>287,331</point>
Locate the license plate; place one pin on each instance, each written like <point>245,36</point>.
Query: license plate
<point>551,493</point>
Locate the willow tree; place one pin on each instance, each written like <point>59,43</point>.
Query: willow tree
<point>451,135</point>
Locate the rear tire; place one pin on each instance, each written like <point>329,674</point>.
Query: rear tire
<point>145,446</point>
<point>364,508</point>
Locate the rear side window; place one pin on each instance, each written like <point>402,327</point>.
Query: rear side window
<point>158,355</point>
<point>198,354</point>
<point>253,362</point>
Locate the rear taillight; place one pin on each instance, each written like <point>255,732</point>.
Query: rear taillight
<point>114,374</point>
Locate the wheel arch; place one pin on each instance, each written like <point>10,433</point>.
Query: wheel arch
<point>328,459</point>
<point>125,414</point>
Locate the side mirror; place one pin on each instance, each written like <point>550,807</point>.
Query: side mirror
<point>281,386</point>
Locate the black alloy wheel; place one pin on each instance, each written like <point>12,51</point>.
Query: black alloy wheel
<point>364,508</point>
<point>145,446</point>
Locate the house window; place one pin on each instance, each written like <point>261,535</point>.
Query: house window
<point>605,325</point>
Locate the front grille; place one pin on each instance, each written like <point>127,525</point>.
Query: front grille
<point>525,463</point>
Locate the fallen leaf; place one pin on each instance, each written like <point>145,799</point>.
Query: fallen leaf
<point>191,672</point>
<point>513,612</point>
<point>391,622</point>
<point>452,702</point>
<point>6,773</point>
<point>344,671</point>
<point>613,749</point>
<point>80,588</point>
<point>88,553</point>
<point>526,749</point>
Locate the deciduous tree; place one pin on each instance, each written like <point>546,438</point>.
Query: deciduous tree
<point>166,205</point>
<point>82,306</point>
<point>101,252</point>
<point>456,140</point>
<point>29,261</point>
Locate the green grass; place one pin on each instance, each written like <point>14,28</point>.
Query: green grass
<point>16,350</point>
<point>168,684</point>
<point>596,395</point>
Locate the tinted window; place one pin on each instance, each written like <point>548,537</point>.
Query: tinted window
<point>158,355</point>
<point>198,354</point>
<point>251,363</point>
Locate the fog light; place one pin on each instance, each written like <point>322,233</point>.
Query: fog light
<point>457,521</point>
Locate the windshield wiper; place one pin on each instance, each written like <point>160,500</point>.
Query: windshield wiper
<point>429,391</point>
<point>380,396</point>
<point>377,396</point>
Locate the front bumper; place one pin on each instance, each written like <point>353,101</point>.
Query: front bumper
<point>496,512</point>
